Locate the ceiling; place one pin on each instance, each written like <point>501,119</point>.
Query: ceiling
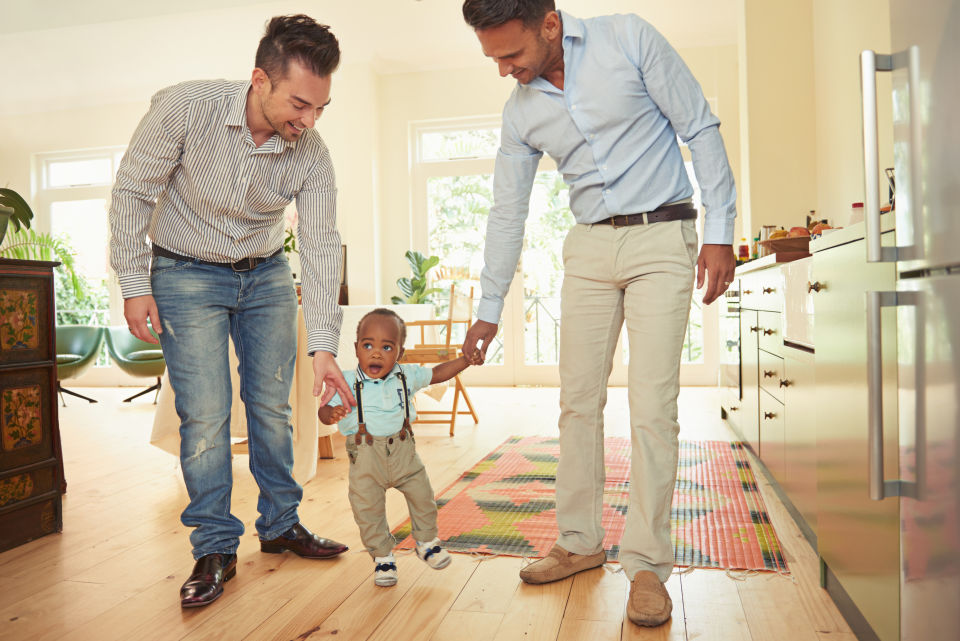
<point>60,54</point>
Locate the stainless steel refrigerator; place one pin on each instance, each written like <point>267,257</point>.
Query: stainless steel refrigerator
<point>925,67</point>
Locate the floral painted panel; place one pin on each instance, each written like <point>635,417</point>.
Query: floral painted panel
<point>20,424</point>
<point>19,318</point>
<point>15,488</point>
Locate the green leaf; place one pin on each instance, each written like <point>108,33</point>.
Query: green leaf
<point>22,214</point>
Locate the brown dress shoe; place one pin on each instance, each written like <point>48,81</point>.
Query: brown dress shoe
<point>649,604</point>
<point>205,585</point>
<point>559,564</point>
<point>305,543</point>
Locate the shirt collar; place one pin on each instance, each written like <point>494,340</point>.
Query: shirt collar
<point>237,117</point>
<point>572,30</point>
<point>362,376</point>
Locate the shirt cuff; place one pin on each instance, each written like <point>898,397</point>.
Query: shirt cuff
<point>718,230</point>
<point>319,340</point>
<point>489,310</point>
<point>134,285</point>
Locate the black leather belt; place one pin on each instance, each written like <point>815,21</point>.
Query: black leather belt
<point>680,211</point>
<point>242,265</point>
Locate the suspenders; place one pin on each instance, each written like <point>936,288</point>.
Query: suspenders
<point>362,433</point>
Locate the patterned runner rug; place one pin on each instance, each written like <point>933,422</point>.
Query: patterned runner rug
<point>505,505</point>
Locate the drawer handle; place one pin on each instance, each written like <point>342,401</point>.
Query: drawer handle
<point>769,415</point>
<point>785,383</point>
<point>754,329</point>
<point>748,291</point>
<point>815,287</point>
<point>768,374</point>
<point>733,408</point>
<point>767,332</point>
<point>769,290</point>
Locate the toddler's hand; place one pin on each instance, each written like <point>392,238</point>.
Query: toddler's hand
<point>475,358</point>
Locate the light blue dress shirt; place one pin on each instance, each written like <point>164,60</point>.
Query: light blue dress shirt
<point>612,131</point>
<point>383,399</point>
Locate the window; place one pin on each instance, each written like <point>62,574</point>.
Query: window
<point>72,201</point>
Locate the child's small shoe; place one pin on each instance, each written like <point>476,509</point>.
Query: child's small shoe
<point>385,573</point>
<point>433,553</point>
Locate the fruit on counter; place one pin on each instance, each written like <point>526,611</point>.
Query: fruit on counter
<point>780,233</point>
<point>818,229</point>
<point>796,232</point>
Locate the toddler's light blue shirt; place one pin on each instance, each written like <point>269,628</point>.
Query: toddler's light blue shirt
<point>383,399</point>
<point>613,133</point>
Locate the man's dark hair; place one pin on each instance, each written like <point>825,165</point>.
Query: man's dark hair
<point>484,14</point>
<point>299,38</point>
<point>389,313</point>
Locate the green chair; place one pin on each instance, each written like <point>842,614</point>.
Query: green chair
<point>77,349</point>
<point>136,357</point>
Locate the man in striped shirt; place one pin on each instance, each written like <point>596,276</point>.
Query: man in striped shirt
<point>206,177</point>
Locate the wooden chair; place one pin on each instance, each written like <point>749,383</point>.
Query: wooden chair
<point>434,348</point>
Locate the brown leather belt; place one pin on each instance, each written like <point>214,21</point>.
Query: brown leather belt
<point>242,265</point>
<point>680,211</point>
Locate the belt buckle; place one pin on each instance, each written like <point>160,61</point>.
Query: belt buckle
<point>613,221</point>
<point>242,265</point>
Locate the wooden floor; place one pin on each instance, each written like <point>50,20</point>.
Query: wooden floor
<point>115,571</point>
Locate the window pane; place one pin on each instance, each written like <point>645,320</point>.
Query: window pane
<point>457,208</point>
<point>90,171</point>
<point>82,226</point>
<point>547,225</point>
<point>469,143</point>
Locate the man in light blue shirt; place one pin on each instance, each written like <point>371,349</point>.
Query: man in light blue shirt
<point>607,98</point>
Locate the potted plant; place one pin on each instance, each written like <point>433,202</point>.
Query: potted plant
<point>13,207</point>
<point>415,289</point>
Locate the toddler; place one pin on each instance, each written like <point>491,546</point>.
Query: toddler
<point>380,441</point>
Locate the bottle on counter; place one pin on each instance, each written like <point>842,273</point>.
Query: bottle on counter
<point>743,251</point>
<point>755,253</point>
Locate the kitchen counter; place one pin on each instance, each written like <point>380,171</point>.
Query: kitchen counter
<point>851,233</point>
<point>769,261</point>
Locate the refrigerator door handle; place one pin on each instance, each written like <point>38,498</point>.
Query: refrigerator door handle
<point>870,64</point>
<point>880,488</point>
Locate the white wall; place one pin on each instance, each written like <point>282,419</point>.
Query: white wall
<point>841,31</point>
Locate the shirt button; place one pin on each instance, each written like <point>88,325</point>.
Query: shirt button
<point>573,107</point>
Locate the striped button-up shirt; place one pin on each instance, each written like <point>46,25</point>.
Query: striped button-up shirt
<point>194,182</point>
<point>613,131</point>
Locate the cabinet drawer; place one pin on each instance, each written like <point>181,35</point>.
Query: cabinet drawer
<point>772,442</point>
<point>771,374</point>
<point>762,290</point>
<point>26,421</point>
<point>770,334</point>
<point>21,486</point>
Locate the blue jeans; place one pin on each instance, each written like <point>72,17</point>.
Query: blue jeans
<point>199,306</point>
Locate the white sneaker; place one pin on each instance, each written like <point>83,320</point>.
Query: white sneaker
<point>433,553</point>
<point>385,573</point>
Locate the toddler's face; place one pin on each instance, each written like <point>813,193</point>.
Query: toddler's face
<point>378,345</point>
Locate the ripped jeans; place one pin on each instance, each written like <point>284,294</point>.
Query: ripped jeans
<point>200,306</point>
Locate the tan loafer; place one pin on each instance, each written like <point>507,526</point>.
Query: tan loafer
<point>649,604</point>
<point>560,564</point>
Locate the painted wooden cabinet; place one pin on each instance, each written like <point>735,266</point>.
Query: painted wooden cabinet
<point>31,463</point>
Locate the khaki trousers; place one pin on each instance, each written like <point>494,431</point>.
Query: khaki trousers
<point>389,462</point>
<point>642,274</point>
